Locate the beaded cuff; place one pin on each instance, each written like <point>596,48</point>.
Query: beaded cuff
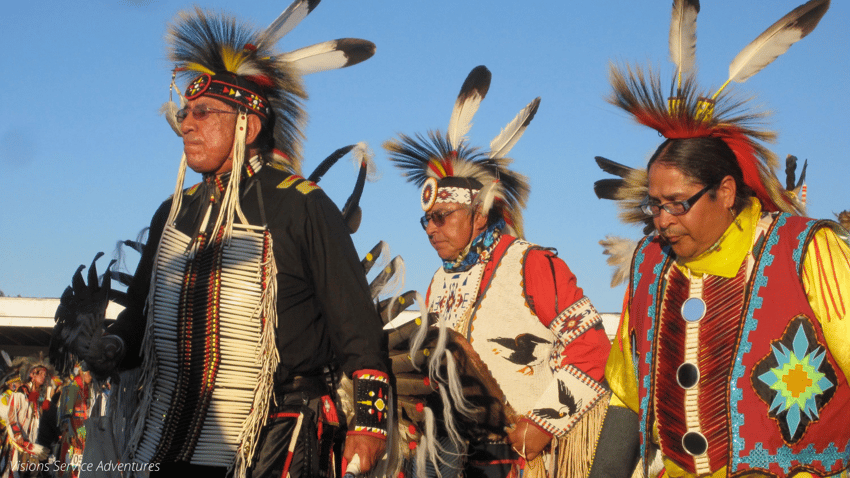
<point>371,403</point>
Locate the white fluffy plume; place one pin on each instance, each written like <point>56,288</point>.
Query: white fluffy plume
<point>619,251</point>
<point>505,141</point>
<point>362,154</point>
<point>474,90</point>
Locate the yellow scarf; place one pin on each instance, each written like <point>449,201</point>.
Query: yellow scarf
<point>724,259</point>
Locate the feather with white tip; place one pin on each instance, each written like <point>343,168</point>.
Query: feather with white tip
<point>776,40</point>
<point>474,90</point>
<point>619,251</point>
<point>364,156</point>
<point>505,141</point>
<point>287,20</point>
<point>329,55</point>
<point>683,35</point>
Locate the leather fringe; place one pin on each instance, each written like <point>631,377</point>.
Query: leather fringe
<point>571,455</point>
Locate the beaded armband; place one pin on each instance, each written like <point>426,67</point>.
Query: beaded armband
<point>371,403</point>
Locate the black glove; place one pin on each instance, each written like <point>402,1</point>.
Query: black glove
<point>80,319</point>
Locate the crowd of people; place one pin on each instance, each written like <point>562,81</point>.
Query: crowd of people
<point>43,417</point>
<point>251,344</point>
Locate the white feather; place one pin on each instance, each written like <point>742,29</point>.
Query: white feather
<point>316,58</point>
<point>474,90</point>
<point>776,40</point>
<point>502,144</point>
<point>683,34</point>
<point>461,120</point>
<point>286,21</point>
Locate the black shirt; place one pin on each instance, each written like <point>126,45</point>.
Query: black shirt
<point>325,315</point>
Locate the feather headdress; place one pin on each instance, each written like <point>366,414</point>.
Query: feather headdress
<point>450,170</point>
<point>691,113</point>
<point>235,63</point>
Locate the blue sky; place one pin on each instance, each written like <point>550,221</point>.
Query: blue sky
<point>85,159</point>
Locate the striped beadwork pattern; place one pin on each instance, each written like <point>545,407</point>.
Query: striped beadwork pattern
<point>715,346</point>
<point>203,361</point>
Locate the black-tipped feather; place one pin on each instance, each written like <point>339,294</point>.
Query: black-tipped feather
<point>683,34</point>
<point>613,167</point>
<point>287,20</point>
<point>356,50</point>
<point>608,188</point>
<point>473,90</point>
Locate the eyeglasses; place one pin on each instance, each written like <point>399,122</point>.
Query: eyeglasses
<point>438,217</point>
<point>199,112</point>
<point>675,208</point>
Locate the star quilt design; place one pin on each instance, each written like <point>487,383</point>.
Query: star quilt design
<point>795,379</point>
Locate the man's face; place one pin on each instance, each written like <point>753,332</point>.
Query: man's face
<point>86,376</point>
<point>457,231</point>
<point>38,376</point>
<point>694,232</point>
<point>208,142</point>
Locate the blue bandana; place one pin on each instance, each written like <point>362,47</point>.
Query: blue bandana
<point>480,249</point>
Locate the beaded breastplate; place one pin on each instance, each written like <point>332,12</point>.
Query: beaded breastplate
<point>209,348</point>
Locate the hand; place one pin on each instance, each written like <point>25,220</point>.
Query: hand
<point>368,448</point>
<point>528,440</point>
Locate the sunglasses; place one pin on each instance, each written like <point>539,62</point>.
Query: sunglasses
<point>438,217</point>
<point>200,112</point>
